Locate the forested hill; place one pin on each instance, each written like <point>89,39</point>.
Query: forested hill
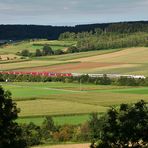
<point>19,32</point>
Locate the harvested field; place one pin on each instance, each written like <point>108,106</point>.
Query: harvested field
<point>73,67</point>
<point>126,61</point>
<point>128,55</point>
<point>26,64</point>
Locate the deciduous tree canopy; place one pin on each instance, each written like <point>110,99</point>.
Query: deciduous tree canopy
<point>125,127</point>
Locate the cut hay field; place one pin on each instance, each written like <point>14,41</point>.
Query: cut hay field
<point>37,100</point>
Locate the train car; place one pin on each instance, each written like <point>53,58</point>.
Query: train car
<point>53,74</point>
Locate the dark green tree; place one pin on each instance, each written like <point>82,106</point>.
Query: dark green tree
<point>58,52</point>
<point>38,53</point>
<point>126,127</point>
<point>47,50</point>
<point>10,131</point>
<point>25,53</point>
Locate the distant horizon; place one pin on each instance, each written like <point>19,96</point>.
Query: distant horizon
<point>87,23</point>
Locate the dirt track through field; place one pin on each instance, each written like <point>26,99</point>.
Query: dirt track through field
<point>67,146</point>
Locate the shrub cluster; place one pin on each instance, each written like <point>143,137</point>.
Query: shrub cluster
<point>46,51</point>
<point>49,132</point>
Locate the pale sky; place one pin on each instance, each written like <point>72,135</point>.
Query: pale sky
<point>71,12</point>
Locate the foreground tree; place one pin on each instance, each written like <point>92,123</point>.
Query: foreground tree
<point>10,132</point>
<point>126,127</point>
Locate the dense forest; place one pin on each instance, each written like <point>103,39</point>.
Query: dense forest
<point>120,35</point>
<point>88,41</point>
<point>21,32</point>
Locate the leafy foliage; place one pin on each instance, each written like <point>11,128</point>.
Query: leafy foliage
<point>10,132</point>
<point>125,127</point>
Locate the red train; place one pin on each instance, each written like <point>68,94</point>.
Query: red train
<point>49,74</point>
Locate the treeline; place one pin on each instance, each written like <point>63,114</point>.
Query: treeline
<point>49,132</point>
<point>122,81</point>
<point>99,39</point>
<point>22,32</point>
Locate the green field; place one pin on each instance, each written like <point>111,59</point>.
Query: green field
<point>38,100</point>
<point>58,120</point>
